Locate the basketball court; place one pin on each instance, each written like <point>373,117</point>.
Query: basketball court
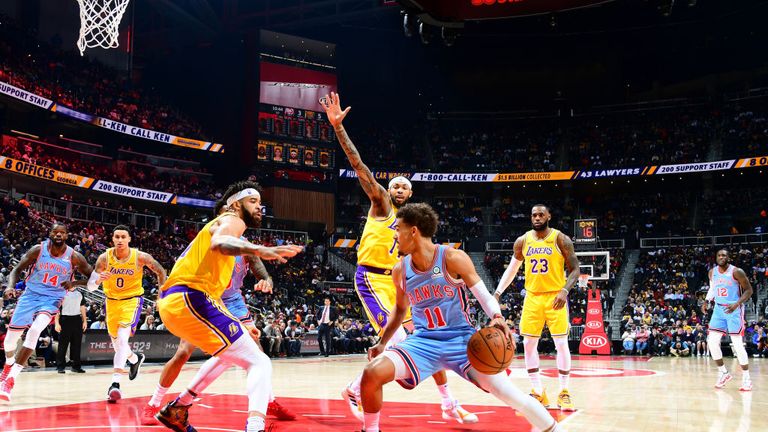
<point>611,394</point>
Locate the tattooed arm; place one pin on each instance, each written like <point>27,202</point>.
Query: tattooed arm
<point>381,204</point>
<point>148,260</point>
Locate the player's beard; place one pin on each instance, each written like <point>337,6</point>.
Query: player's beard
<point>250,220</point>
<point>541,227</point>
<point>395,204</point>
<point>58,242</point>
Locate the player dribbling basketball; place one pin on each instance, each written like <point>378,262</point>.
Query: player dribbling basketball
<point>431,281</point>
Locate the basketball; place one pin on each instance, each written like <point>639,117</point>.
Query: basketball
<point>489,351</point>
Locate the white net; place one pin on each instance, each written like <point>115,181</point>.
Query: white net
<point>99,23</point>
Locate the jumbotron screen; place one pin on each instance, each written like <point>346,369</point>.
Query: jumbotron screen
<point>289,115</point>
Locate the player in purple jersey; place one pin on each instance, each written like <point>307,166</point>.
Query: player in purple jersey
<point>729,289</point>
<point>51,266</point>
<point>432,280</point>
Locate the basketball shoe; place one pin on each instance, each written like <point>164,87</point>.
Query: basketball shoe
<point>114,394</point>
<point>135,367</point>
<point>564,401</point>
<point>746,386</point>
<point>148,415</point>
<point>353,401</point>
<point>6,371</point>
<point>542,398</point>
<point>456,412</point>
<point>723,379</point>
<point>6,386</point>
<point>282,413</point>
<point>175,417</point>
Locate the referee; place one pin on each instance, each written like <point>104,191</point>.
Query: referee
<point>70,327</point>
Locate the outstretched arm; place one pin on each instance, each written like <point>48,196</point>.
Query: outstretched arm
<point>380,204</point>
<point>512,268</point>
<point>225,239</point>
<point>148,260</point>
<point>572,264</point>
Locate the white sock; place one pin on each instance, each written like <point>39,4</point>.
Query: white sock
<point>564,381</point>
<point>371,422</point>
<point>15,370</point>
<point>745,375</point>
<point>722,369</point>
<point>116,377</point>
<point>10,361</point>
<point>445,394</point>
<point>158,395</point>
<point>535,378</point>
<point>187,397</point>
<point>255,424</point>
<point>271,397</point>
<point>355,385</point>
<point>133,358</point>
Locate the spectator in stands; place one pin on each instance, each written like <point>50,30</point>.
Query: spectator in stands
<point>99,324</point>
<point>628,340</point>
<point>700,339</point>
<point>274,339</point>
<point>293,336</point>
<point>149,323</point>
<point>680,347</point>
<point>641,343</point>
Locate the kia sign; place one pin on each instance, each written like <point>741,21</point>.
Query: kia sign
<point>594,341</point>
<point>594,325</point>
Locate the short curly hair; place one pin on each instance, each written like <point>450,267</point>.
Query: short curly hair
<point>231,190</point>
<point>420,215</point>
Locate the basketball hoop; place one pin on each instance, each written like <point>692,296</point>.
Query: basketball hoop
<point>99,23</point>
<point>583,281</point>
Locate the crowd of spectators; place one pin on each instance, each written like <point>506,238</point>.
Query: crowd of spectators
<point>290,310</point>
<point>668,292</point>
<point>180,182</point>
<point>74,81</point>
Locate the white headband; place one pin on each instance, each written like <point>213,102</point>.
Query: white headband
<point>400,179</point>
<point>245,193</point>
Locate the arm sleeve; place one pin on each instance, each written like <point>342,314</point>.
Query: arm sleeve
<point>92,284</point>
<point>509,275</point>
<point>710,292</point>
<point>487,302</point>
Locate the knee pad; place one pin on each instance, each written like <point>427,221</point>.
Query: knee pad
<point>713,341</point>
<point>531,352</point>
<point>11,339</point>
<point>739,350</point>
<point>563,353</point>
<point>37,327</point>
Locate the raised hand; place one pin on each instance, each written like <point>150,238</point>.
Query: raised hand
<point>332,106</point>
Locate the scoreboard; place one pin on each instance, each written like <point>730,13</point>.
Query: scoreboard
<point>585,230</point>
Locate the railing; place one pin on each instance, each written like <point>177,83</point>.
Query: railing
<point>344,266</point>
<point>703,241</point>
<point>599,244</point>
<point>87,213</point>
<point>299,236</point>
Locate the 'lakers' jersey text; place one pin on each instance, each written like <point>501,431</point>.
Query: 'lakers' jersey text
<point>377,245</point>
<point>200,268</point>
<point>544,263</point>
<point>126,276</point>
